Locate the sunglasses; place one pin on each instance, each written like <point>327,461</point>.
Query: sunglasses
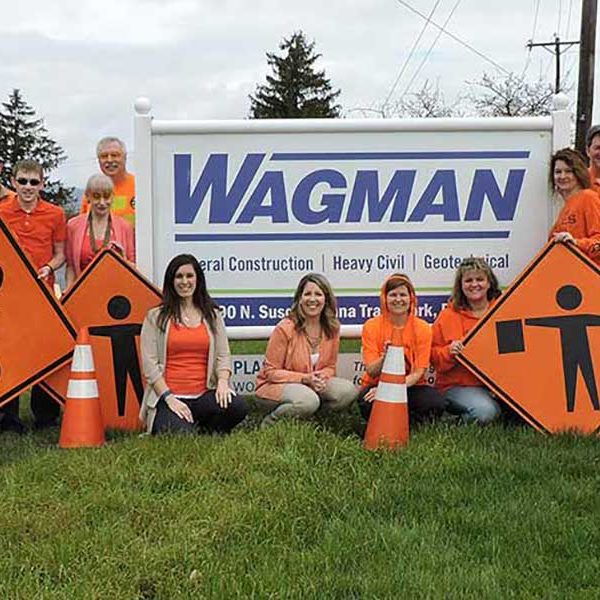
<point>25,181</point>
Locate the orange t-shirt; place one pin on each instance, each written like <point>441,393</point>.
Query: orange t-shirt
<point>123,203</point>
<point>580,216</point>
<point>187,359</point>
<point>37,231</point>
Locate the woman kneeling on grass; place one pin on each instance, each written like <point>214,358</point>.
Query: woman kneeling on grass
<point>399,325</point>
<point>475,291</point>
<point>186,358</point>
<point>298,373</point>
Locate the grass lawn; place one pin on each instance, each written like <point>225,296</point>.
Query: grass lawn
<point>302,511</point>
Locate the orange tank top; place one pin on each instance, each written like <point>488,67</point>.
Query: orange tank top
<point>187,358</point>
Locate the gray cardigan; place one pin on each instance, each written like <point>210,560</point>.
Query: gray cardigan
<point>154,356</point>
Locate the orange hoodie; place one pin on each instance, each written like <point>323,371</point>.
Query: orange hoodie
<point>452,324</point>
<point>415,337</point>
<point>580,216</point>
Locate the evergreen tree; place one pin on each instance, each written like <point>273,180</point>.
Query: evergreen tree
<point>23,136</point>
<point>295,90</point>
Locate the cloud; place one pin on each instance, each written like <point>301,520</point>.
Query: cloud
<point>132,22</point>
<point>81,64</point>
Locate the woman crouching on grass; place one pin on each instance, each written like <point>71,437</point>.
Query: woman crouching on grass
<point>475,291</point>
<point>186,358</point>
<point>298,373</point>
<point>399,325</point>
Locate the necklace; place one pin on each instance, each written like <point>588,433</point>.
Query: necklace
<point>314,341</point>
<point>190,320</point>
<point>93,245</point>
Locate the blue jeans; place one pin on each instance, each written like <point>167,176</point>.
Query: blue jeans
<point>473,404</point>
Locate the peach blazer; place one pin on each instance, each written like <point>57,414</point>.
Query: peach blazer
<point>287,360</point>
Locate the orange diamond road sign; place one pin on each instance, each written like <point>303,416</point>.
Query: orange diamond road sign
<point>36,337</point>
<point>539,347</point>
<point>111,299</point>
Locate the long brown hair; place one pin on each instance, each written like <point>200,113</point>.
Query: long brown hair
<point>576,162</point>
<point>170,308</point>
<point>328,319</point>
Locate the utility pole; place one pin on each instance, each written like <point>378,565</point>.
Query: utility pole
<point>585,89</point>
<point>554,47</point>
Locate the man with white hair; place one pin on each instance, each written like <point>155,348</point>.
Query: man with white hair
<point>112,160</point>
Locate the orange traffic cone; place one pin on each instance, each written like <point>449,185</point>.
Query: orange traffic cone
<point>82,424</point>
<point>388,423</point>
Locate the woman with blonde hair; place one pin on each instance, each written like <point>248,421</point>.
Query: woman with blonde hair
<point>89,233</point>
<point>475,291</point>
<point>298,373</point>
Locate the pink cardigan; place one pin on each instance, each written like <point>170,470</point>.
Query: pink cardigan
<point>76,230</point>
<point>287,360</point>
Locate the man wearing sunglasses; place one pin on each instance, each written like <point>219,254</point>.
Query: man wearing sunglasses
<point>40,230</point>
<point>112,160</point>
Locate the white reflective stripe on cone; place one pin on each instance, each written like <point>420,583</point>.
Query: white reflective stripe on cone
<point>391,392</point>
<point>82,388</point>
<point>83,360</point>
<point>393,362</point>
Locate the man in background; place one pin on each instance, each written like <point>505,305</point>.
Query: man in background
<point>593,152</point>
<point>112,160</point>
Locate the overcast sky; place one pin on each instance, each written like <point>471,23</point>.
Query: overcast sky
<point>82,63</point>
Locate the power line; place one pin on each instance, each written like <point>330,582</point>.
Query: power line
<point>559,15</point>
<point>455,38</point>
<point>535,18</point>
<point>533,30</point>
<point>569,18</point>
<point>572,60</point>
<point>555,48</point>
<point>430,50</point>
<point>410,54</point>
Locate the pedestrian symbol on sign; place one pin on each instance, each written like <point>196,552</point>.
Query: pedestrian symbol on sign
<point>574,342</point>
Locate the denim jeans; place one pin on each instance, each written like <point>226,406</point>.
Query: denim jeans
<point>472,403</point>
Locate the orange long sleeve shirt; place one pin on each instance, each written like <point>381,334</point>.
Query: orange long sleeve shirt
<point>451,324</point>
<point>580,216</point>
